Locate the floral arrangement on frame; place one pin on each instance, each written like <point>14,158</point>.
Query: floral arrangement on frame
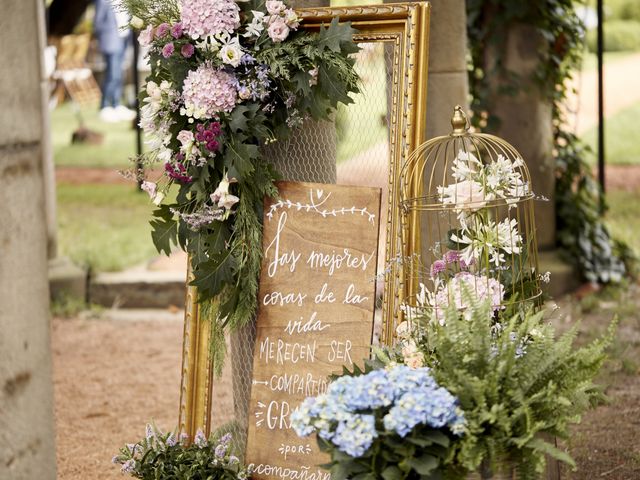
<point>228,77</point>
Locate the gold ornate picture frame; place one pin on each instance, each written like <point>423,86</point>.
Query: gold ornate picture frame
<point>400,33</point>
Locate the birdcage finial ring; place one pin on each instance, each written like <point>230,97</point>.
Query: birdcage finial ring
<point>459,121</point>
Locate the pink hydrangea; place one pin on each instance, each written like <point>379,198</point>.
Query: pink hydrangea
<point>479,286</point>
<point>204,17</point>
<point>208,91</point>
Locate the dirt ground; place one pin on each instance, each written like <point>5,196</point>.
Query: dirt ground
<point>111,377</point>
<point>606,445</point>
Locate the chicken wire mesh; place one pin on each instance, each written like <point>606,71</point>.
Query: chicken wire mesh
<point>468,224</point>
<point>352,150</point>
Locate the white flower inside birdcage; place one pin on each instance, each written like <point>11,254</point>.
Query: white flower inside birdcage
<point>468,224</point>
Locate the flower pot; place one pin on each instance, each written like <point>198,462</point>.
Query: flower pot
<point>503,471</point>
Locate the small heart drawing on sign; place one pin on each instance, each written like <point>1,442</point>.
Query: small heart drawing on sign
<point>319,193</point>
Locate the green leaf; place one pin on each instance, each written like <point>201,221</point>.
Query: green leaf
<point>164,233</point>
<point>424,464</point>
<point>336,34</point>
<point>392,473</point>
<point>545,447</point>
<point>213,275</point>
<point>240,156</point>
<point>437,437</point>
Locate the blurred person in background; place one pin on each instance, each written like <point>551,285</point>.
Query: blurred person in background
<point>110,26</point>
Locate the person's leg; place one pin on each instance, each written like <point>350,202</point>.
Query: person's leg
<point>107,81</point>
<point>118,77</point>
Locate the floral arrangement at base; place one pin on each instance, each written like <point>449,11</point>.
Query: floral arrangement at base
<point>517,384</point>
<point>391,423</point>
<point>170,455</point>
<point>228,77</point>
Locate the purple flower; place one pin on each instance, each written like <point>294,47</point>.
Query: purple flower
<point>451,256</point>
<point>200,439</point>
<point>177,30</point>
<point>212,145</point>
<point>129,466</point>
<point>220,450</point>
<point>215,128</point>
<point>226,438</point>
<point>162,30</point>
<point>178,172</point>
<point>187,50</point>
<point>437,267</point>
<point>168,50</point>
<point>172,440</point>
<point>207,135</point>
<point>149,431</point>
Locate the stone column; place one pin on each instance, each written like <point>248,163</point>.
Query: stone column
<point>526,120</point>
<point>447,80</point>
<point>26,398</point>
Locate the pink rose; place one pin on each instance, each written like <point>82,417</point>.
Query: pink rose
<point>274,7</point>
<point>146,36</point>
<point>187,50</point>
<point>168,50</point>
<point>185,137</point>
<point>278,30</point>
<point>162,30</point>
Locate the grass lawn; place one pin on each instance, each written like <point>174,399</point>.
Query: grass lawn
<point>105,227</point>
<point>623,218</point>
<point>590,60</point>
<point>620,135</point>
<point>118,145</point>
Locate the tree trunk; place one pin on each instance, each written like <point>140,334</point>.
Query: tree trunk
<point>26,394</point>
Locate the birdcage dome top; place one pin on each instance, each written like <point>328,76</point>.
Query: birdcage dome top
<point>464,170</point>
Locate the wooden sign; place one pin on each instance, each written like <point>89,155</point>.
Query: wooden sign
<point>316,305</point>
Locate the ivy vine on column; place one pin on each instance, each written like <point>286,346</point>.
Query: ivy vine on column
<point>581,231</point>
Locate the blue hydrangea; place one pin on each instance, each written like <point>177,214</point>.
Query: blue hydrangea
<point>405,379</point>
<point>364,392</point>
<point>355,435</point>
<point>403,397</point>
<point>425,405</point>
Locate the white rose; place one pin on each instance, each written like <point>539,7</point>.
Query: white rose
<point>274,7</point>
<point>291,18</point>
<point>278,30</point>
<point>414,361</point>
<point>231,54</point>
<point>186,138</point>
<point>136,22</point>
<point>409,348</point>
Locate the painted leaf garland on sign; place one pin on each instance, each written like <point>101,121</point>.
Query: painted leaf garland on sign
<point>316,309</point>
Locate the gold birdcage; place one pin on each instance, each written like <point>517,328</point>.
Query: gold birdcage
<point>467,220</point>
